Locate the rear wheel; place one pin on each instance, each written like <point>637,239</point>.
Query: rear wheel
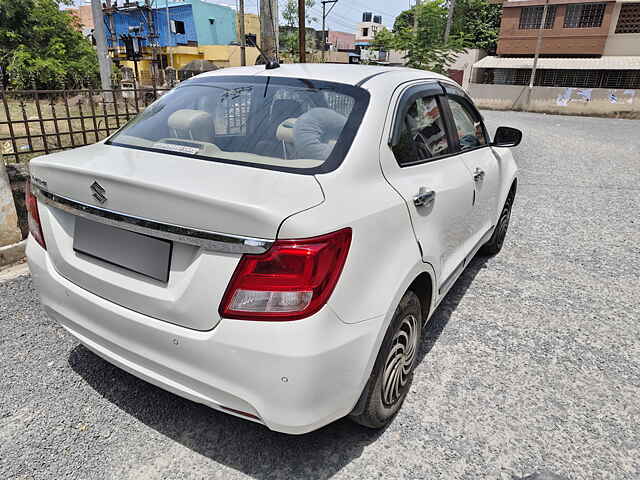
<point>393,371</point>
<point>494,245</point>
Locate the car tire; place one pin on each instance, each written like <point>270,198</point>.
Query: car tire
<point>392,373</point>
<point>494,245</point>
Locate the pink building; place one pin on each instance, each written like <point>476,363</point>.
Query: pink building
<point>341,40</point>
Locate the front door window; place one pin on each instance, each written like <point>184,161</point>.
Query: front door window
<point>470,130</point>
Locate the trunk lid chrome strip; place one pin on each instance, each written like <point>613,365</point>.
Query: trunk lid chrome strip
<point>213,241</point>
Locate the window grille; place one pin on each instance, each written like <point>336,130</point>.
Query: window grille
<point>584,15</point>
<point>531,17</point>
<point>511,76</point>
<point>621,79</point>
<point>626,79</point>
<point>629,19</point>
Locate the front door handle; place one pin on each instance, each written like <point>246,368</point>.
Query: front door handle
<point>478,174</point>
<point>424,197</point>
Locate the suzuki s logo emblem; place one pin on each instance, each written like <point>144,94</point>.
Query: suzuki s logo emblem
<point>98,192</point>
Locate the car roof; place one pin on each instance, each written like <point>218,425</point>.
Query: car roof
<point>340,73</point>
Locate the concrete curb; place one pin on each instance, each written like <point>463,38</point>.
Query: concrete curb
<point>9,231</point>
<point>14,271</point>
<point>12,253</point>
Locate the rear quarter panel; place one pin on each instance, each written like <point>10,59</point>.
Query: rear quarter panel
<point>384,257</point>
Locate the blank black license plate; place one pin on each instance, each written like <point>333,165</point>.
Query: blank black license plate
<point>139,253</point>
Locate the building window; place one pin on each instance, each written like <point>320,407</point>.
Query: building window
<point>629,19</point>
<point>584,15</point>
<point>177,27</point>
<point>365,32</point>
<point>531,17</point>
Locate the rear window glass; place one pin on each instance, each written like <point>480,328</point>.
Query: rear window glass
<point>278,123</point>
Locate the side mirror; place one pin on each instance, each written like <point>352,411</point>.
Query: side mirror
<point>507,137</point>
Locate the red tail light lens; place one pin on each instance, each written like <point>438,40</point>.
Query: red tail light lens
<point>35,228</point>
<point>293,280</point>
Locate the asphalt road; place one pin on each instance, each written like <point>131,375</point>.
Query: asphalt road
<point>532,363</point>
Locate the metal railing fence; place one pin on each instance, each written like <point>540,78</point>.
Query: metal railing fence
<point>34,122</point>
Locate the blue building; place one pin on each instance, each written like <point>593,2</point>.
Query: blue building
<point>191,22</point>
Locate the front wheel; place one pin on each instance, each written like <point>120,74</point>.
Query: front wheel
<point>393,371</point>
<point>494,245</point>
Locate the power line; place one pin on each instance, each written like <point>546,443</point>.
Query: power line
<point>340,19</point>
<point>324,23</point>
<point>341,24</point>
<point>332,6</point>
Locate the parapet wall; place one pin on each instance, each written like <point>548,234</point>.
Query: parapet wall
<point>558,100</point>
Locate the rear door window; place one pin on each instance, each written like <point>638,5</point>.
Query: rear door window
<point>423,135</point>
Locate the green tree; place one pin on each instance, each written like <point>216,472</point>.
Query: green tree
<point>425,46</point>
<point>290,12</point>
<point>41,46</point>
<point>384,40</point>
<point>289,37</point>
<point>432,19</point>
<point>427,55</point>
<point>404,20</point>
<point>479,21</point>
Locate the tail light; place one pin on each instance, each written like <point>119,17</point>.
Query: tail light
<point>35,227</point>
<point>293,280</point>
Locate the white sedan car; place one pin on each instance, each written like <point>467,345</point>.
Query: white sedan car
<point>271,243</point>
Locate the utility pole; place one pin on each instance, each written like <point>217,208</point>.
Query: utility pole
<point>447,30</point>
<point>166,6</point>
<point>152,36</point>
<point>243,37</point>
<point>302,31</point>
<point>532,78</point>
<point>113,8</point>
<point>324,24</point>
<point>101,44</point>
<point>269,27</point>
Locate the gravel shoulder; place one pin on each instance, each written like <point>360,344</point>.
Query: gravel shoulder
<point>531,364</point>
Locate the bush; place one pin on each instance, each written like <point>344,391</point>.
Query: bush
<point>41,47</point>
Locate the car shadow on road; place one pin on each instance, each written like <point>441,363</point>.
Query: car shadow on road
<point>239,444</point>
<point>440,318</point>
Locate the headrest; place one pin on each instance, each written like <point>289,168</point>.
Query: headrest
<point>286,108</point>
<point>285,130</point>
<point>196,124</point>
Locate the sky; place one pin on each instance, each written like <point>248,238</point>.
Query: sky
<point>344,17</point>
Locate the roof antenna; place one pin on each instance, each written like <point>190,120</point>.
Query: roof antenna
<point>269,63</point>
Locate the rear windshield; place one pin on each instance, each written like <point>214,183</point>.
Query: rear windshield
<point>298,125</point>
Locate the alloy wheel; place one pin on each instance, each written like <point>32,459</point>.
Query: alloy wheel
<point>399,362</point>
<point>503,226</point>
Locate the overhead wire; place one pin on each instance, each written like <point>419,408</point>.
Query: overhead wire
<point>339,19</point>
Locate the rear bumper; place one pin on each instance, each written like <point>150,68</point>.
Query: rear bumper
<point>294,377</point>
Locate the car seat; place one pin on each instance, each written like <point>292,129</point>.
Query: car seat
<point>282,110</point>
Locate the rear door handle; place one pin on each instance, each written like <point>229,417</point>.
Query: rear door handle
<point>478,174</point>
<point>424,197</point>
